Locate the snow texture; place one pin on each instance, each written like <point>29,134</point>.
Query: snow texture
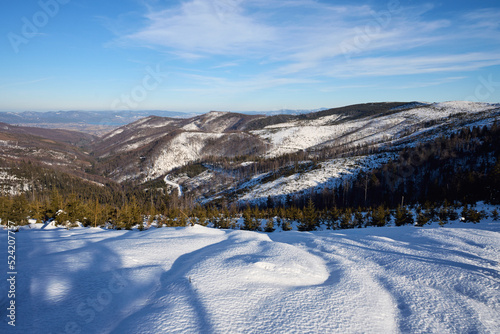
<point>202,280</point>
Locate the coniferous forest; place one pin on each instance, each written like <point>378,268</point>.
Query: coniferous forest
<point>427,182</point>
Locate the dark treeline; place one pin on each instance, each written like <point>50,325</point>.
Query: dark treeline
<point>463,167</point>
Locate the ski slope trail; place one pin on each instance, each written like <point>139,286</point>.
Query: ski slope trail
<point>173,184</point>
<point>203,280</point>
<point>406,281</point>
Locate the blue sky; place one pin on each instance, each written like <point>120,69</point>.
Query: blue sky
<point>237,55</point>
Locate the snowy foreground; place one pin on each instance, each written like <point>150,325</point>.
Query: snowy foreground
<point>202,280</point>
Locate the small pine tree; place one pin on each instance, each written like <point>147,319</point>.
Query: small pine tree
<point>422,219</point>
<point>250,222</point>
<point>334,216</point>
<point>182,221</point>
<point>443,215</point>
<point>5,209</point>
<point>285,225</point>
<point>409,218</point>
<point>358,219</point>
<point>270,225</point>
<point>224,221</point>
<point>19,210</point>
<point>471,215</point>
<point>380,216</point>
<point>309,219</point>
<point>452,213</point>
<point>202,217</point>
<point>400,218</point>
<point>346,219</point>
<point>494,215</point>
<point>36,211</point>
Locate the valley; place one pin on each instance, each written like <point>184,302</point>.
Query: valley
<point>242,158</point>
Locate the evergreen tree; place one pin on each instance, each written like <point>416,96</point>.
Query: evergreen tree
<point>202,217</point>
<point>403,216</point>
<point>471,215</point>
<point>224,220</point>
<point>380,216</point>
<point>422,219</point>
<point>96,212</point>
<point>309,219</point>
<point>359,219</point>
<point>494,215</point>
<point>443,215</point>
<point>285,225</point>
<point>37,211</point>
<point>5,209</point>
<point>19,210</point>
<point>346,219</point>
<point>55,203</point>
<point>250,222</point>
<point>75,209</point>
<point>270,225</point>
<point>334,217</point>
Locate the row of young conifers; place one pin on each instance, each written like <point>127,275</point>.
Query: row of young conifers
<point>71,212</point>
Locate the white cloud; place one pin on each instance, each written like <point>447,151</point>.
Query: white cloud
<point>309,39</point>
<point>407,65</point>
<point>422,84</point>
<point>226,65</point>
<point>217,27</point>
<point>24,83</point>
<point>204,84</point>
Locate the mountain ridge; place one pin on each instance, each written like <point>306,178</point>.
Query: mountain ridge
<point>244,155</point>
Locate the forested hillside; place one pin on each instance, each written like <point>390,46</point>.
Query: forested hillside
<point>340,168</point>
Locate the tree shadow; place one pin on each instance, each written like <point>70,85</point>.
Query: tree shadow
<point>69,290</point>
<point>177,305</point>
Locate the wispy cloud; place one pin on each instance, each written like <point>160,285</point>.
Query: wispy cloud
<point>430,83</point>
<point>217,27</point>
<point>406,65</point>
<point>225,65</point>
<point>205,84</point>
<point>24,83</point>
<point>486,18</point>
<point>309,39</point>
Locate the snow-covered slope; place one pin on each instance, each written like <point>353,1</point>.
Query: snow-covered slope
<point>157,145</point>
<point>303,134</point>
<point>329,175</point>
<point>184,148</point>
<point>202,280</point>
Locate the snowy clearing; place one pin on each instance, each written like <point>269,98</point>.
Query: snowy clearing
<point>203,280</point>
<point>331,174</point>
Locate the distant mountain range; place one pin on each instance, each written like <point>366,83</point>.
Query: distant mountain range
<point>93,122</point>
<point>101,122</point>
<point>113,118</point>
